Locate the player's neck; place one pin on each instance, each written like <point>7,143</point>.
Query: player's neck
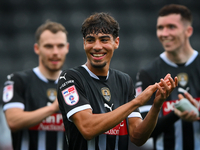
<point>180,56</point>
<point>52,75</point>
<point>98,71</point>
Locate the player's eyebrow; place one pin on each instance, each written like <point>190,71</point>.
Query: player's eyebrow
<point>104,36</point>
<point>89,36</point>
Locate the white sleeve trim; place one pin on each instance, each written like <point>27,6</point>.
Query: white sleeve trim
<point>77,109</point>
<point>13,105</point>
<point>135,114</point>
<point>145,108</point>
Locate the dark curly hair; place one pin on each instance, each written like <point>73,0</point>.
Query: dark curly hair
<point>100,23</point>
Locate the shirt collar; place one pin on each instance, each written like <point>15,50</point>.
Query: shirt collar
<point>169,62</point>
<point>92,74</point>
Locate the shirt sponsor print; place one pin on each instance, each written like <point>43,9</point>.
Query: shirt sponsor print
<point>120,129</point>
<point>70,95</point>
<point>8,93</point>
<point>168,106</point>
<point>51,123</point>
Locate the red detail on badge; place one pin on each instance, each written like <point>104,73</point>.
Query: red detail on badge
<point>51,123</point>
<point>71,89</point>
<point>138,90</point>
<point>120,129</point>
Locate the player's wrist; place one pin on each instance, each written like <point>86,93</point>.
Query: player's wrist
<point>156,108</point>
<point>53,108</point>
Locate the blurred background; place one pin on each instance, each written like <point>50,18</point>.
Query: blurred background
<point>139,45</point>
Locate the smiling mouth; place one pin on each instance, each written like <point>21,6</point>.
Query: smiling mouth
<point>98,55</point>
<point>166,41</point>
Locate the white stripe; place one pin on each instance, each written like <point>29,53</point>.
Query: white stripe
<point>13,105</point>
<point>102,141</point>
<point>196,135</point>
<point>159,142</point>
<point>60,140</point>
<point>178,135</point>
<point>91,144</point>
<point>116,142</point>
<point>25,140</point>
<point>135,114</point>
<point>77,109</point>
<point>41,140</point>
<point>145,108</point>
<point>138,83</point>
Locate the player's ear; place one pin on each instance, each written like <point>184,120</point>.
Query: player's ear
<point>116,42</point>
<point>36,48</point>
<point>67,48</point>
<point>189,31</point>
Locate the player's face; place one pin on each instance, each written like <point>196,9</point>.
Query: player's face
<point>52,50</point>
<point>171,32</point>
<point>99,49</point>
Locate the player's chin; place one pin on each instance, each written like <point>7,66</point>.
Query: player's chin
<point>55,68</point>
<point>98,65</point>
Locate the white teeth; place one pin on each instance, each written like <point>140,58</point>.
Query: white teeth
<point>97,55</point>
<point>166,41</point>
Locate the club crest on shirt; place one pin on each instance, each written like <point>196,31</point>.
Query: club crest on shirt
<point>182,79</point>
<point>106,93</point>
<point>52,94</point>
<point>70,95</point>
<point>8,92</point>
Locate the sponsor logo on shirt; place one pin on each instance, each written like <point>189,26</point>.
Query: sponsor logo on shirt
<point>66,83</point>
<point>120,129</point>
<point>8,92</point>
<point>63,77</point>
<point>168,106</point>
<point>109,107</point>
<point>51,123</point>
<point>70,95</point>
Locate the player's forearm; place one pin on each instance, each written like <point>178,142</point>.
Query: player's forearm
<point>91,125</point>
<point>143,131</point>
<point>18,119</point>
<point>164,123</point>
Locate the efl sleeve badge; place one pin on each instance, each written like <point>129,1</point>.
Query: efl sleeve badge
<point>70,95</point>
<point>8,93</point>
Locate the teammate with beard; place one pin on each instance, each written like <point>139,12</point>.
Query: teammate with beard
<point>98,103</point>
<point>175,130</point>
<point>30,96</point>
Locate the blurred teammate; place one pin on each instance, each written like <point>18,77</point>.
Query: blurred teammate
<point>175,130</point>
<point>97,103</point>
<point>30,96</point>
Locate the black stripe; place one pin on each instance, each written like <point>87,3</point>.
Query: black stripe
<point>188,137</point>
<point>110,142</point>
<point>169,138</point>
<point>33,140</point>
<point>51,142</point>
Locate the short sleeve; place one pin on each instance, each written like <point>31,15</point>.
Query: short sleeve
<point>13,92</point>
<point>71,94</point>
